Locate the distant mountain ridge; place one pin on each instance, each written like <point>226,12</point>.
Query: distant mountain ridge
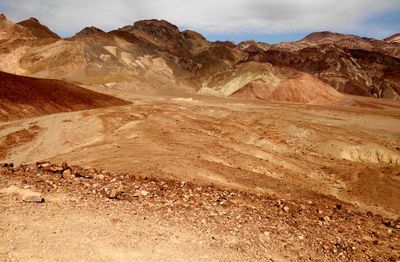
<point>156,54</point>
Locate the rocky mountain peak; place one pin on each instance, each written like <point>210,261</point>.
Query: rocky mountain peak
<point>155,23</point>
<point>90,31</point>
<point>33,19</point>
<point>159,29</point>
<point>37,29</point>
<point>321,35</point>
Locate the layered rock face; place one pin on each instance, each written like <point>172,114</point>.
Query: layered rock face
<point>156,54</point>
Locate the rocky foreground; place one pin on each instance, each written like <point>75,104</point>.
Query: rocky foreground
<point>223,225</point>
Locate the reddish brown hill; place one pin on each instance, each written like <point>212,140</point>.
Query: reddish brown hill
<point>292,86</point>
<point>27,97</point>
<point>37,29</point>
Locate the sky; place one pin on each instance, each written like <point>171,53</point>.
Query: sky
<point>270,21</point>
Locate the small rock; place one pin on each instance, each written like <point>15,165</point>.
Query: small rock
<point>8,165</point>
<point>286,209</point>
<point>392,223</point>
<point>115,192</point>
<point>266,236</point>
<point>54,169</point>
<point>141,193</point>
<point>65,166</point>
<point>67,174</point>
<point>326,218</point>
<point>368,238</point>
<point>26,195</point>
<point>144,192</point>
<point>42,164</point>
<point>30,196</point>
<point>83,174</point>
<point>93,171</point>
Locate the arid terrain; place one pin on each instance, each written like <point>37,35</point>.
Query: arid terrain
<point>141,148</point>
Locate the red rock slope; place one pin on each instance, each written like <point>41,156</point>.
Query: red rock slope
<point>27,97</point>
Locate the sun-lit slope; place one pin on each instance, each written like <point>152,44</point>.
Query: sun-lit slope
<point>27,97</point>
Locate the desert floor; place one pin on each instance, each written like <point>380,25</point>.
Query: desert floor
<point>247,180</point>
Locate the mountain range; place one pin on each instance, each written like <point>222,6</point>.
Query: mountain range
<point>155,54</point>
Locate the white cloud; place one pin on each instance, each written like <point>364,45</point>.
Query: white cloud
<point>212,16</point>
